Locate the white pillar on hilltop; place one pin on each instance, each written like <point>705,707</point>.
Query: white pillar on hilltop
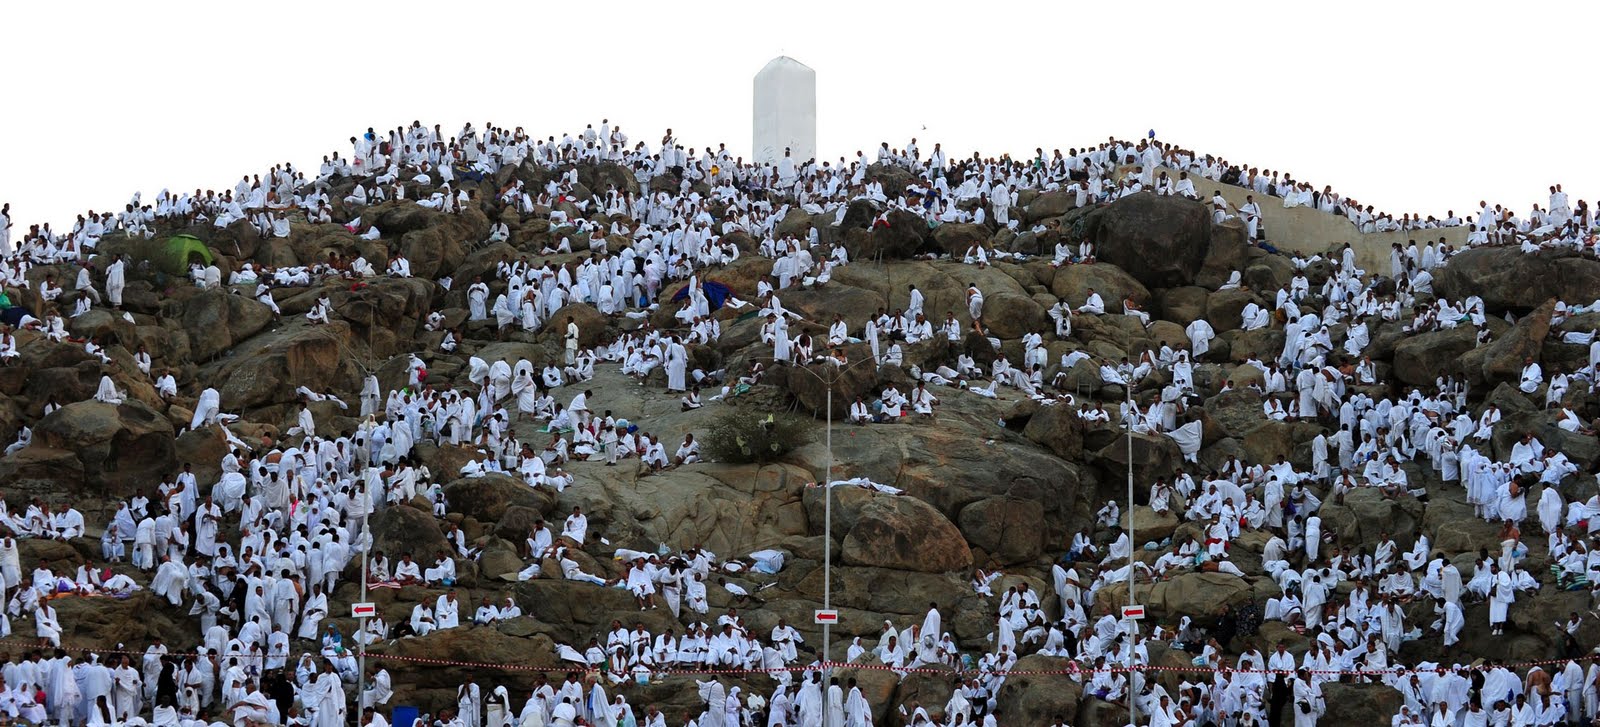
<point>785,112</point>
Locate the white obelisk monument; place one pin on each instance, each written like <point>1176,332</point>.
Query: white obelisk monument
<point>785,112</point>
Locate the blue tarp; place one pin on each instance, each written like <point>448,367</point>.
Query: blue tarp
<point>716,293</point>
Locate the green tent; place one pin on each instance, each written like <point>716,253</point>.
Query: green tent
<point>180,251</point>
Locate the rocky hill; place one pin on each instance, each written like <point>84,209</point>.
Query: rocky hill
<point>988,483</point>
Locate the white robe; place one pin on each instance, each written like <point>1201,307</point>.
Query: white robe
<point>326,696</point>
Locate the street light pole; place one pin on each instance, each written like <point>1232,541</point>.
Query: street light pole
<point>827,526</point>
<point>361,623</point>
<point>827,557</point>
<point>1133,709</point>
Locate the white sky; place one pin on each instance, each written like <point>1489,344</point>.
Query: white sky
<point>1410,106</point>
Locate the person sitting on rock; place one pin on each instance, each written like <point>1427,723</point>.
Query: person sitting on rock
<point>407,572</point>
<point>1093,305</point>
<point>399,267</point>
<point>487,613</point>
<point>443,570</point>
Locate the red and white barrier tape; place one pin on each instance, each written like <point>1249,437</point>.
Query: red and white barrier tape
<point>1073,668</point>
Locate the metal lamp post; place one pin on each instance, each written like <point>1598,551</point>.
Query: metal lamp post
<point>1133,709</point>
<point>361,622</point>
<point>827,518</point>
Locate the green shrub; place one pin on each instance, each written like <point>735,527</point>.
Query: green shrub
<point>747,436</point>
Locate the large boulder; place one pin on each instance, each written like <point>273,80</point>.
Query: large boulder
<point>885,591</point>
<point>1365,515</point>
<point>1582,449</point>
<point>311,242</point>
<point>849,302</point>
<point>107,623</point>
<point>1501,360</point>
<point>1152,526</point>
<point>487,498</point>
<point>607,175</point>
<point>904,533</point>
<point>1187,594</point>
<point>386,313</point>
<point>1268,274</point>
<point>579,610</point>
<point>1363,704</point>
<point>1010,530</point>
<point>1236,412</point>
<point>1153,456</point>
<point>1048,205</point>
<point>1009,316</point>
<point>1533,638</point>
<point>1452,527</point>
<point>724,508</point>
<point>955,238</point>
<point>903,236</point>
<point>100,324</point>
<point>1183,305</point>
<point>1043,694</point>
<point>66,383</point>
<point>400,529</point>
<point>591,323</point>
<point>1421,359</point>
<point>1160,240</point>
<point>1229,251</point>
<point>811,385</point>
<point>1504,277</point>
<point>499,559</point>
<point>1224,308</point>
<point>954,465</point>
<point>1072,283</point>
<point>894,178</point>
<point>11,416</point>
<point>1261,343</point>
<point>316,354</point>
<point>1275,439</point>
<point>216,320</point>
<point>795,224</point>
<point>1083,376</point>
<point>40,471</point>
<point>1059,429</point>
<point>433,242</point>
<point>859,214</point>
<point>121,447</point>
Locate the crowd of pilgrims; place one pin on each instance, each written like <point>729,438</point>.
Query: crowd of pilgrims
<point>254,556</point>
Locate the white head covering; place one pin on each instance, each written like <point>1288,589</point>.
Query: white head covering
<point>108,391</point>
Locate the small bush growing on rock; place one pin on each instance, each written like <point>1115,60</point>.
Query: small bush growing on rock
<point>747,436</point>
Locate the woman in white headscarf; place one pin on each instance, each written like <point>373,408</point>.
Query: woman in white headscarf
<point>371,396</point>
<point>28,709</point>
<point>730,709</point>
<point>623,712</point>
<point>108,392</point>
<point>855,651</point>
